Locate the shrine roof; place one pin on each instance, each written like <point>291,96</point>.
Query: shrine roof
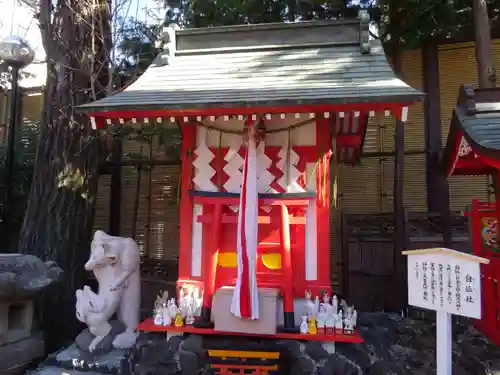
<point>283,64</point>
<point>476,118</point>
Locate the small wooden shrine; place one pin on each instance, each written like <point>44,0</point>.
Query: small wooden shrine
<point>263,110</point>
<point>473,148</point>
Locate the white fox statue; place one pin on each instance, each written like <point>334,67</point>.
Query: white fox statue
<point>115,262</point>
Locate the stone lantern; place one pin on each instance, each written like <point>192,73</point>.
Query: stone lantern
<point>22,278</point>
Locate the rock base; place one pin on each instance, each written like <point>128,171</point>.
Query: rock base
<point>16,356</point>
<point>393,346</point>
<point>75,361</point>
<point>84,339</point>
<point>188,356</point>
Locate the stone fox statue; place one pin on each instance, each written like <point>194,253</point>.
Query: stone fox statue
<point>115,262</point>
<point>94,311</point>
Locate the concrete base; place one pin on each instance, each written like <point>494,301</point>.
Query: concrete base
<point>16,356</point>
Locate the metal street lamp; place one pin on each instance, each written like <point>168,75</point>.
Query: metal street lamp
<point>16,53</point>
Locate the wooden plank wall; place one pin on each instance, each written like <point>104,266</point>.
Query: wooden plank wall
<point>457,65</point>
<point>156,224</point>
<point>368,187</point>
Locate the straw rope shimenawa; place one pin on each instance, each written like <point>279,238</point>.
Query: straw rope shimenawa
<point>242,132</point>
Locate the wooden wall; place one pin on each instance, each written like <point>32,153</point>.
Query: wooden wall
<point>458,65</point>
<point>367,188</point>
<point>155,225</point>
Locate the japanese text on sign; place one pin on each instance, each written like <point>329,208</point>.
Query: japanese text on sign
<point>440,282</point>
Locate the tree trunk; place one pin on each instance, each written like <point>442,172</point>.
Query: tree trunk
<point>59,215</point>
<point>484,54</point>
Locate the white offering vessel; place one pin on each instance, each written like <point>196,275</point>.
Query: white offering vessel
<point>310,307</point>
<point>198,301</point>
<point>335,305</point>
<point>350,319</point>
<point>316,306</point>
<point>339,324</point>
<point>326,298</point>
<point>322,316</point>
<point>159,309</point>
<point>304,326</point>
<point>167,318</point>
<point>189,316</point>
<point>158,318</point>
<point>172,307</point>
<point>330,321</point>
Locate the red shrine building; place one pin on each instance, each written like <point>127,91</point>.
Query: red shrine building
<point>473,148</point>
<point>308,89</point>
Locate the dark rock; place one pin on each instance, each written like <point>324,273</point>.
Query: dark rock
<point>393,346</point>
<point>50,370</point>
<point>471,349</point>
<point>337,364</point>
<point>459,370</point>
<point>151,356</point>
<point>84,339</point>
<point>472,364</point>
<point>380,342</point>
<point>382,367</point>
<point>315,350</point>
<point>292,347</point>
<point>23,276</point>
<point>188,362</point>
<point>302,366</point>
<point>357,353</point>
<point>141,369</point>
<point>159,354</point>
<point>193,343</point>
<point>174,343</point>
<point>73,358</point>
<point>296,359</point>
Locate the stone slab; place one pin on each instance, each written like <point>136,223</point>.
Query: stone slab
<point>15,356</point>
<point>84,339</point>
<point>73,358</point>
<point>50,370</point>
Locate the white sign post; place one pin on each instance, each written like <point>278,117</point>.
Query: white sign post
<point>448,282</point>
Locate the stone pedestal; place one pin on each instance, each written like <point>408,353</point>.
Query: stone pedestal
<point>22,277</point>
<point>17,355</point>
<point>74,361</point>
<point>16,320</point>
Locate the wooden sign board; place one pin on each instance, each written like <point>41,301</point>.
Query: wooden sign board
<point>448,282</point>
<point>445,281</point>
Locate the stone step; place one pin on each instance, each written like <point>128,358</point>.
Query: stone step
<point>51,370</point>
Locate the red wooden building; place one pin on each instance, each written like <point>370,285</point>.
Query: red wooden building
<point>309,88</point>
<point>473,148</point>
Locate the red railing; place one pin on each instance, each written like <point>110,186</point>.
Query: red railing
<point>484,222</point>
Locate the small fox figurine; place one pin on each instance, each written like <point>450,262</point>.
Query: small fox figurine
<point>313,329</point>
<point>179,322</point>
